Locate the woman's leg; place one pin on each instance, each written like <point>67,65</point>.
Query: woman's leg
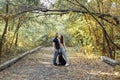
<point>65,56</point>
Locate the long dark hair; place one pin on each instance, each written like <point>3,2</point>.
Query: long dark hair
<point>61,40</point>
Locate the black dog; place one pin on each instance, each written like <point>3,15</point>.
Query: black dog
<point>61,60</point>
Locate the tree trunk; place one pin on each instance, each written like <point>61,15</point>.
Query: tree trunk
<point>109,61</point>
<point>103,42</point>
<point>15,34</point>
<point>3,37</point>
<point>4,32</point>
<point>16,40</point>
<point>112,37</point>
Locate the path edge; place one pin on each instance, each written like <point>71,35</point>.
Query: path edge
<point>14,60</point>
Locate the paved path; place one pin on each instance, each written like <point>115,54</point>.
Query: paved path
<point>38,66</point>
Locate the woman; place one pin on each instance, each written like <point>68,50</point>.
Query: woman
<point>63,50</point>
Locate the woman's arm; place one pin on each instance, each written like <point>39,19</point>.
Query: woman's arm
<point>64,45</point>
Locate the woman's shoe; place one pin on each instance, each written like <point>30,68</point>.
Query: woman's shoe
<point>66,64</point>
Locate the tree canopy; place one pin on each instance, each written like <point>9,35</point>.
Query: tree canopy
<point>92,26</point>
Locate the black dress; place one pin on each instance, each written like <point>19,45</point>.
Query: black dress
<point>61,59</point>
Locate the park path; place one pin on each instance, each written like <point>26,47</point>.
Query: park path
<point>38,66</point>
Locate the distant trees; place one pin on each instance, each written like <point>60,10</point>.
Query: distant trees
<point>13,15</point>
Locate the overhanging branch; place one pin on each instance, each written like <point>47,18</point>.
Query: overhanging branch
<point>64,11</point>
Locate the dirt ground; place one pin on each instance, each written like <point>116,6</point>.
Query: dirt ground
<point>38,66</point>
